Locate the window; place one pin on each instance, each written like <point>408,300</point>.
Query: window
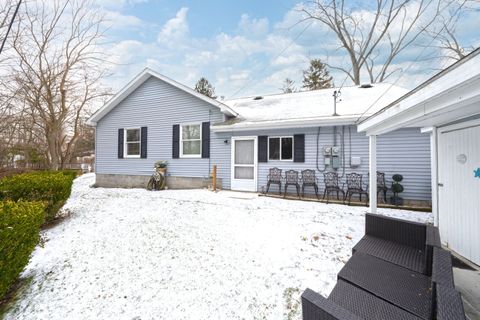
<point>280,148</point>
<point>132,143</point>
<point>191,141</point>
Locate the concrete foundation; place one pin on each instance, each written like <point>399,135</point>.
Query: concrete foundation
<point>136,181</point>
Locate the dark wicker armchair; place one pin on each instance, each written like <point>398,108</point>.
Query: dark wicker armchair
<point>291,179</point>
<point>274,177</point>
<point>355,185</point>
<point>332,185</point>
<point>309,180</point>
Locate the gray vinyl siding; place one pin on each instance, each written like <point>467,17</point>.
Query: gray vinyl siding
<point>405,151</point>
<point>158,106</point>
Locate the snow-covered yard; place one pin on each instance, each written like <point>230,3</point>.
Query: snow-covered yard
<point>134,254</point>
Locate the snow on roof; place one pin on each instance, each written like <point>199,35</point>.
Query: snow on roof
<point>354,102</point>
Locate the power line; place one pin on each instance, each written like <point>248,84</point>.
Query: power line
<point>10,26</point>
<point>278,55</point>
<point>410,65</point>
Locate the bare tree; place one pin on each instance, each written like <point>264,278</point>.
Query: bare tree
<point>9,112</point>
<point>374,38</point>
<point>445,36</point>
<point>59,71</point>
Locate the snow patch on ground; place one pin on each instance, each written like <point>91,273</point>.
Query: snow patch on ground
<point>176,254</point>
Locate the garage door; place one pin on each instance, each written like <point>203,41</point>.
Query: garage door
<point>459,188</point>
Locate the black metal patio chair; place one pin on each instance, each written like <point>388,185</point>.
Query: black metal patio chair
<point>332,185</point>
<point>291,179</point>
<point>355,185</point>
<point>274,177</point>
<point>309,180</point>
<point>381,185</point>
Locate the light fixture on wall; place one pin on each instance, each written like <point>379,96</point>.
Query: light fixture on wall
<point>225,141</point>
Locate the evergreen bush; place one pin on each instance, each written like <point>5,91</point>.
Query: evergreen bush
<point>20,224</point>
<point>50,187</point>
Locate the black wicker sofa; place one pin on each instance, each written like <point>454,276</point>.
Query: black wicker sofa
<point>398,270</point>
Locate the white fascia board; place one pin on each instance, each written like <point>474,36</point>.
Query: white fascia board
<point>454,103</point>
<point>427,129</point>
<point>285,124</point>
<point>447,87</point>
<point>141,78</point>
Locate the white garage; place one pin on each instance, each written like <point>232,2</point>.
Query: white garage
<point>447,107</point>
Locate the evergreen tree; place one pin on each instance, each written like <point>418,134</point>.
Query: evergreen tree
<point>316,76</point>
<point>288,86</point>
<point>203,86</point>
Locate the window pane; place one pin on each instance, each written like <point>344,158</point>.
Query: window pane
<point>191,147</point>
<point>191,132</point>
<point>243,172</point>
<point>274,148</point>
<point>287,148</point>
<point>133,135</point>
<point>133,149</point>
<point>244,151</point>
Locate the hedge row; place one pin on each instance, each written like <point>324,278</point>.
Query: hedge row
<point>20,224</point>
<point>51,187</point>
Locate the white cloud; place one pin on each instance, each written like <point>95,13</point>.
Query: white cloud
<point>175,31</point>
<point>253,27</point>
<point>248,58</point>
<point>118,21</point>
<point>118,4</point>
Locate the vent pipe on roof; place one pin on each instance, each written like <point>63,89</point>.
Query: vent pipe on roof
<point>258,98</point>
<point>336,95</point>
<point>366,86</point>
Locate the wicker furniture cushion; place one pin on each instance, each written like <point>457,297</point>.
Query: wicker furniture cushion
<point>449,304</point>
<point>442,273</point>
<point>366,305</point>
<point>394,252</point>
<point>406,289</point>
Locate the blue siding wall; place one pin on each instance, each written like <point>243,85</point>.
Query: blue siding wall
<point>405,151</point>
<point>158,106</point>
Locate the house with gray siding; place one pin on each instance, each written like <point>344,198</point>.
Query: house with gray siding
<point>156,118</point>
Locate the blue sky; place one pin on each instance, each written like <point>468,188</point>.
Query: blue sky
<point>236,44</point>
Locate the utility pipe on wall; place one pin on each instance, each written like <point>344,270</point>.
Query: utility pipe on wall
<point>373,173</point>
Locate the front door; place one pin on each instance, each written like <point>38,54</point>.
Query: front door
<point>459,188</point>
<point>244,163</point>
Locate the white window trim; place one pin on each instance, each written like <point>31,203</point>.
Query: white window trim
<point>125,150</point>
<point>181,140</point>
<point>281,137</point>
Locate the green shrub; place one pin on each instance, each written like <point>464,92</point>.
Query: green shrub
<point>53,188</point>
<point>70,172</point>
<point>20,224</point>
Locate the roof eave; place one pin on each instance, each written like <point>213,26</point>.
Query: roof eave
<point>284,124</point>
<point>413,105</point>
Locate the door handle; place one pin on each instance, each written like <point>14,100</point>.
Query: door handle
<point>440,184</point>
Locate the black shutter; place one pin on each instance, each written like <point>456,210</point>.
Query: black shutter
<point>299,148</point>
<point>262,148</point>
<point>176,141</point>
<point>205,139</point>
<point>143,145</point>
<point>120,143</point>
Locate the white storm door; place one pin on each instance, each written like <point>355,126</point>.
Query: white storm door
<point>244,163</point>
